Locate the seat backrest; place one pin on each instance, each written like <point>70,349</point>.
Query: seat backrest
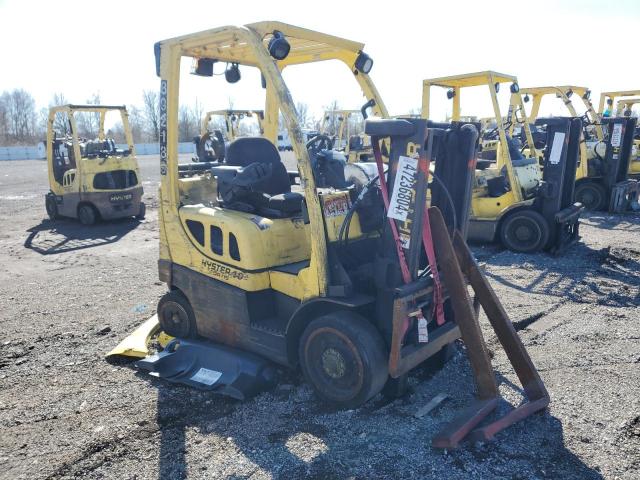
<point>247,150</point>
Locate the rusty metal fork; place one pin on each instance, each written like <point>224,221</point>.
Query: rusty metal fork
<point>459,267</point>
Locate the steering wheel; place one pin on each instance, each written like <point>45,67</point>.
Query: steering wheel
<point>318,143</point>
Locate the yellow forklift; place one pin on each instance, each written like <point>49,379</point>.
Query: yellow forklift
<point>346,127</point>
<point>355,283</point>
<point>514,202</point>
<point>602,181</point>
<point>91,179</point>
<point>210,144</point>
<point>626,100</point>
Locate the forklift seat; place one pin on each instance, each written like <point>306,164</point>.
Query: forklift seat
<point>248,188</point>
<point>244,151</point>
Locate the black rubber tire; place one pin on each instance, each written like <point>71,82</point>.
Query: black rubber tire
<point>524,231</point>
<point>142,212</point>
<point>87,214</point>
<point>344,358</point>
<point>175,315</point>
<point>51,206</point>
<point>592,195</point>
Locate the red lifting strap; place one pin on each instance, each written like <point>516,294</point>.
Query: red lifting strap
<point>427,240</point>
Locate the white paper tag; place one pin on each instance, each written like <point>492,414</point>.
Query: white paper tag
<point>616,135</point>
<point>423,332</point>
<point>403,188</point>
<point>206,376</point>
<point>556,148</point>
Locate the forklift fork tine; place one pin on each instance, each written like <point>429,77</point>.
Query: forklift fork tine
<point>457,262</point>
<point>461,303</point>
<point>502,325</point>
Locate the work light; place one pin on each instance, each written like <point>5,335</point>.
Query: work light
<point>526,98</point>
<point>278,46</point>
<point>587,94</point>
<point>364,63</point>
<point>451,93</point>
<point>515,88</point>
<point>232,73</point>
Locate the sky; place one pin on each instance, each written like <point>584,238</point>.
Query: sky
<point>82,47</point>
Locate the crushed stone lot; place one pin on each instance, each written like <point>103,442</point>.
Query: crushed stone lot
<point>69,293</point>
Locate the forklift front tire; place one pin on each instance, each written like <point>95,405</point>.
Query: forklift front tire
<point>525,231</point>
<point>592,195</point>
<point>344,358</point>
<point>176,316</point>
<point>87,214</point>
<point>51,206</point>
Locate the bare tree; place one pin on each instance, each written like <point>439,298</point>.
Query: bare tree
<point>198,114</point>
<point>136,122</point>
<point>4,123</point>
<point>303,113</point>
<point>187,124</point>
<point>330,119</point>
<point>60,122</point>
<point>19,116</point>
<point>89,122</point>
<point>151,109</point>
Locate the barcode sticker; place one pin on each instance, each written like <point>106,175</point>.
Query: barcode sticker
<point>403,188</point>
<point>556,148</point>
<point>616,135</point>
<point>206,376</point>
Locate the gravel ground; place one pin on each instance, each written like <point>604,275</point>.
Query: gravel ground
<point>68,294</point>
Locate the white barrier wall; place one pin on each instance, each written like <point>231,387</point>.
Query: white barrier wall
<point>38,151</point>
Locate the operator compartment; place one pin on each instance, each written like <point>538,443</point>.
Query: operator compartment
<point>243,212</point>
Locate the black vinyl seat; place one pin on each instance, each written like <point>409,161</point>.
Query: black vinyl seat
<point>269,194</point>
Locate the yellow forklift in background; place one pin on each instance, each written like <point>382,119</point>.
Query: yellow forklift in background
<point>309,269</point>
<point>514,202</point>
<point>211,143</point>
<point>602,179</point>
<point>626,100</point>
<point>347,129</point>
<point>91,180</point>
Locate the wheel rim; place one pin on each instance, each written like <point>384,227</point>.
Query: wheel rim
<point>525,233</point>
<point>334,364</point>
<point>176,319</point>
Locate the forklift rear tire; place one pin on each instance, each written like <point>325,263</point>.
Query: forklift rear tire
<point>344,358</point>
<point>51,206</point>
<point>142,212</point>
<point>592,195</point>
<point>176,316</point>
<point>525,231</point>
<point>87,214</point>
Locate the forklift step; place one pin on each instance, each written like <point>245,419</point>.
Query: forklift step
<point>209,366</point>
